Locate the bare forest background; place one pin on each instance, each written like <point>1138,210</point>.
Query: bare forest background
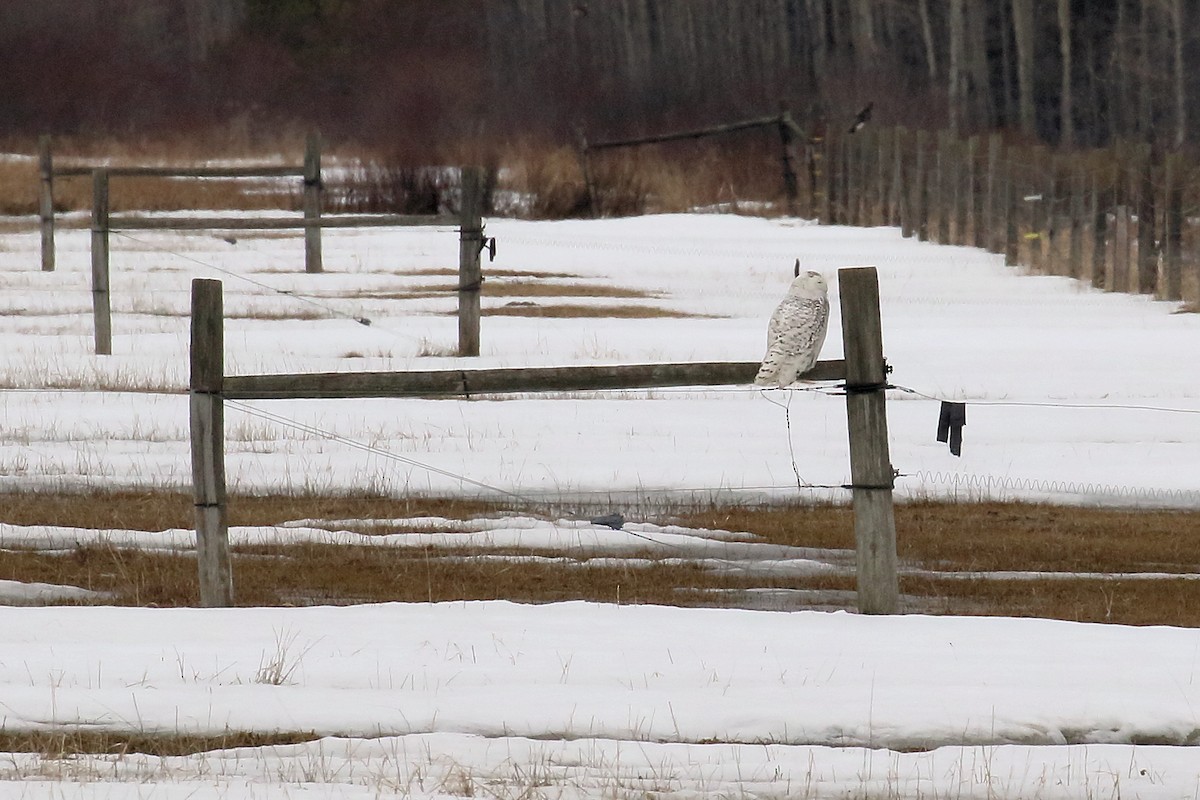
<point>1063,72</point>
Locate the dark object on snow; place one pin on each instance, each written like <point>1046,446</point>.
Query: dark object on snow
<point>863,117</point>
<point>951,419</point>
<point>614,521</point>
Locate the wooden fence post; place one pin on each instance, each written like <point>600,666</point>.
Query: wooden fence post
<point>585,166</point>
<point>312,204</point>
<point>974,203</point>
<point>1098,209</point>
<point>1010,198</point>
<point>208,444</point>
<point>1146,279</point>
<point>791,185</point>
<point>959,190</point>
<point>828,170</point>
<point>871,470</point>
<point>898,198</point>
<point>939,201</point>
<point>921,188</point>
<point>101,308</point>
<point>994,233</point>
<point>470,273</point>
<point>46,202</point>
<point>1077,214</point>
<point>1117,277</point>
<point>1170,281</point>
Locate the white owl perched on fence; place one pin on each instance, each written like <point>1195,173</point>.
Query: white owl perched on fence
<point>796,331</point>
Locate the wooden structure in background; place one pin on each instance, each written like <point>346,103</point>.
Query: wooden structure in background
<point>782,122</point>
<point>863,371</point>
<point>103,222</point>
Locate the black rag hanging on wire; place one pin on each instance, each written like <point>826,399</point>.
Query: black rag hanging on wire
<point>951,419</point>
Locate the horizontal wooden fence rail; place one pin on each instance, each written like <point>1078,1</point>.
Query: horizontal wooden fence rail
<point>864,372</point>
<point>142,223</point>
<point>466,383</point>
<point>1116,219</point>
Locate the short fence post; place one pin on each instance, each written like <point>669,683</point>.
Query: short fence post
<point>470,273</point>
<point>1117,277</point>
<point>791,186</point>
<point>1078,214</point>
<point>1011,203</point>
<point>898,200</point>
<point>46,202</point>
<point>312,204</point>
<point>940,202</point>
<point>959,190</point>
<point>1146,279</point>
<point>828,167</point>
<point>974,196</point>
<point>1170,282</point>
<point>1098,209</point>
<point>920,189</point>
<point>585,165</point>
<point>101,308</point>
<point>871,470</point>
<point>208,444</point>
<point>994,233</point>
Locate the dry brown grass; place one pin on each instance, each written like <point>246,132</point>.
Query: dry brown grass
<point>944,548</point>
<point>574,310</point>
<point>66,743</point>
<point>511,288</point>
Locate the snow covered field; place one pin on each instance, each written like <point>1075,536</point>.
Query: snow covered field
<point>1074,395</point>
<point>1069,388</point>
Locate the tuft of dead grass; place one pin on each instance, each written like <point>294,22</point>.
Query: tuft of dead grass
<point>575,310</point>
<point>58,744</point>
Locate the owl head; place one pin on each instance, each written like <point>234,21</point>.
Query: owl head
<point>809,284</point>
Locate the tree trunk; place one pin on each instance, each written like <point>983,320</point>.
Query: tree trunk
<point>1180,101</point>
<point>927,36</point>
<point>954,71</point>
<point>1022,20</point>
<point>1066,118</point>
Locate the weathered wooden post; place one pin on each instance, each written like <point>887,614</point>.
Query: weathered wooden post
<point>993,232</point>
<point>1117,277</point>
<point>920,189</point>
<point>1075,246</point>
<point>827,168</point>
<point>791,185</point>
<point>1146,278</point>
<point>941,200</point>
<point>973,208</point>
<point>470,272</point>
<point>1098,209</point>
<point>898,199</point>
<point>585,165</point>
<point>871,472</point>
<point>101,308</point>
<point>312,204</point>
<point>46,202</point>
<point>1170,280</point>
<point>1011,202</point>
<point>208,444</point>
<point>959,198</point>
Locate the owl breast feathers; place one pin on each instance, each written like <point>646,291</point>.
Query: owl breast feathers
<point>796,332</point>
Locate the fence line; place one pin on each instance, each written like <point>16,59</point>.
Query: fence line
<point>863,370</point>
<point>1116,219</point>
<point>471,239</point>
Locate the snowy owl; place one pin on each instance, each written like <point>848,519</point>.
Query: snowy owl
<point>796,332</point>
